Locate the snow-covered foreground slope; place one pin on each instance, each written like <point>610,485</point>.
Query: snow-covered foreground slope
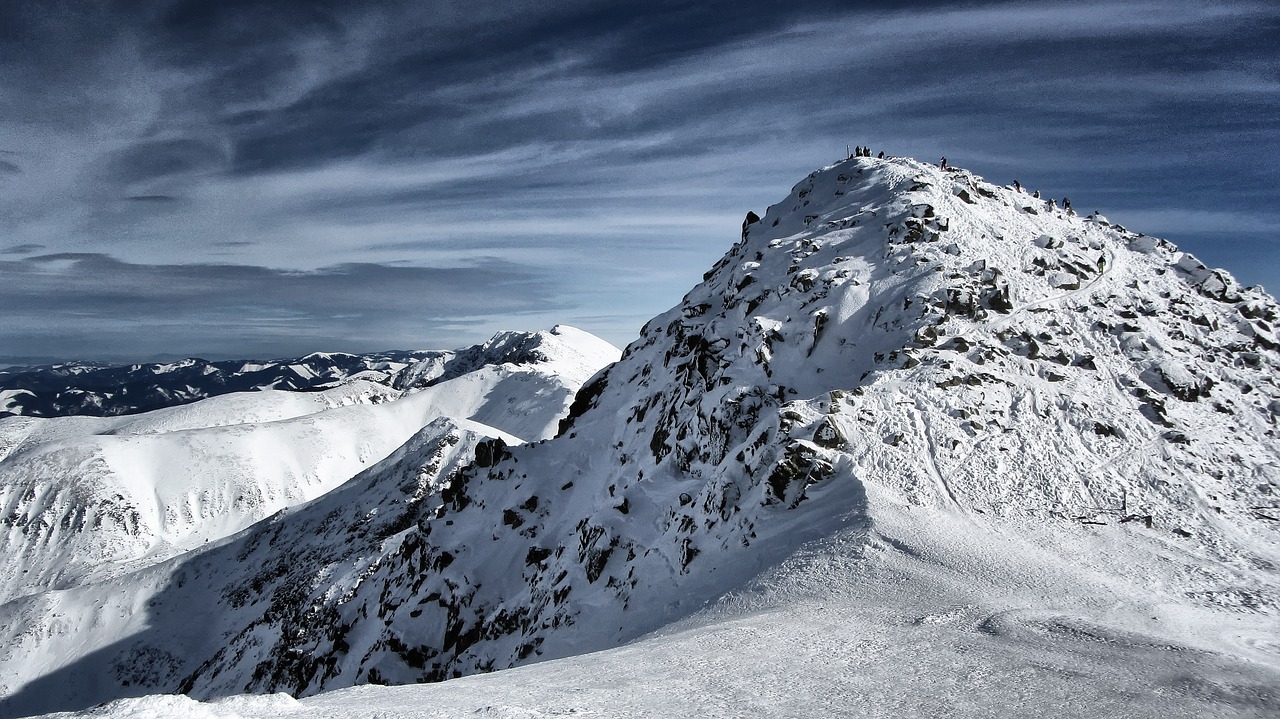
<point>920,442</point>
<point>86,497</point>
<point>151,626</point>
<point>882,623</point>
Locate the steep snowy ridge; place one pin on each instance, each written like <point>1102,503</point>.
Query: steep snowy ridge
<point>88,497</point>
<point>899,371</point>
<point>141,624</point>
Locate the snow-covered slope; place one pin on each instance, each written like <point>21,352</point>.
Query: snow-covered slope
<point>851,627</point>
<point>85,497</point>
<point>150,624</point>
<point>1018,442</point>
<point>561,344</point>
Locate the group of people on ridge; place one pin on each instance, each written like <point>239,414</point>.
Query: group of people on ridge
<point>861,151</point>
<point>1066,201</point>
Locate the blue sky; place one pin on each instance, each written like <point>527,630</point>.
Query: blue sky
<point>253,179</point>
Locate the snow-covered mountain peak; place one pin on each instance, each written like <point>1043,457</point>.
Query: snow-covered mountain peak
<point>872,257</point>
<point>959,346</point>
<point>891,329</point>
<point>89,389</point>
<point>564,348</point>
<point>901,372</point>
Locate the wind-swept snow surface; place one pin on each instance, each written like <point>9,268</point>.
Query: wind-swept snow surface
<point>896,626</point>
<point>850,628</point>
<point>918,443</point>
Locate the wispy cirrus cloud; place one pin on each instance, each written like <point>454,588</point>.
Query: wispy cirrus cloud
<point>574,138</point>
<point>131,310</point>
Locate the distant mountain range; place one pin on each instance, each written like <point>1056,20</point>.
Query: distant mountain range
<point>92,389</point>
<point>97,390</point>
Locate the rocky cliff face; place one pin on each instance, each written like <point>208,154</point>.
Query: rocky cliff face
<point>890,328</point>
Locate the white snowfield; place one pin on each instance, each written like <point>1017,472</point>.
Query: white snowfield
<point>88,497</point>
<point>918,445</point>
<point>856,626</point>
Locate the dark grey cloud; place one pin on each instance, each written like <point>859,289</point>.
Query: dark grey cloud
<point>163,199</point>
<point>161,158</point>
<point>575,138</point>
<point>21,249</point>
<point>126,310</point>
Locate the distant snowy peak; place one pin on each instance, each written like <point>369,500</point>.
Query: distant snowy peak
<point>567,348</point>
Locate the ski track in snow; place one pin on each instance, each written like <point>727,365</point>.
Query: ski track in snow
<point>931,456</point>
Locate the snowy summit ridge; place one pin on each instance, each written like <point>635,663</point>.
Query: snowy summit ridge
<point>894,361</point>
